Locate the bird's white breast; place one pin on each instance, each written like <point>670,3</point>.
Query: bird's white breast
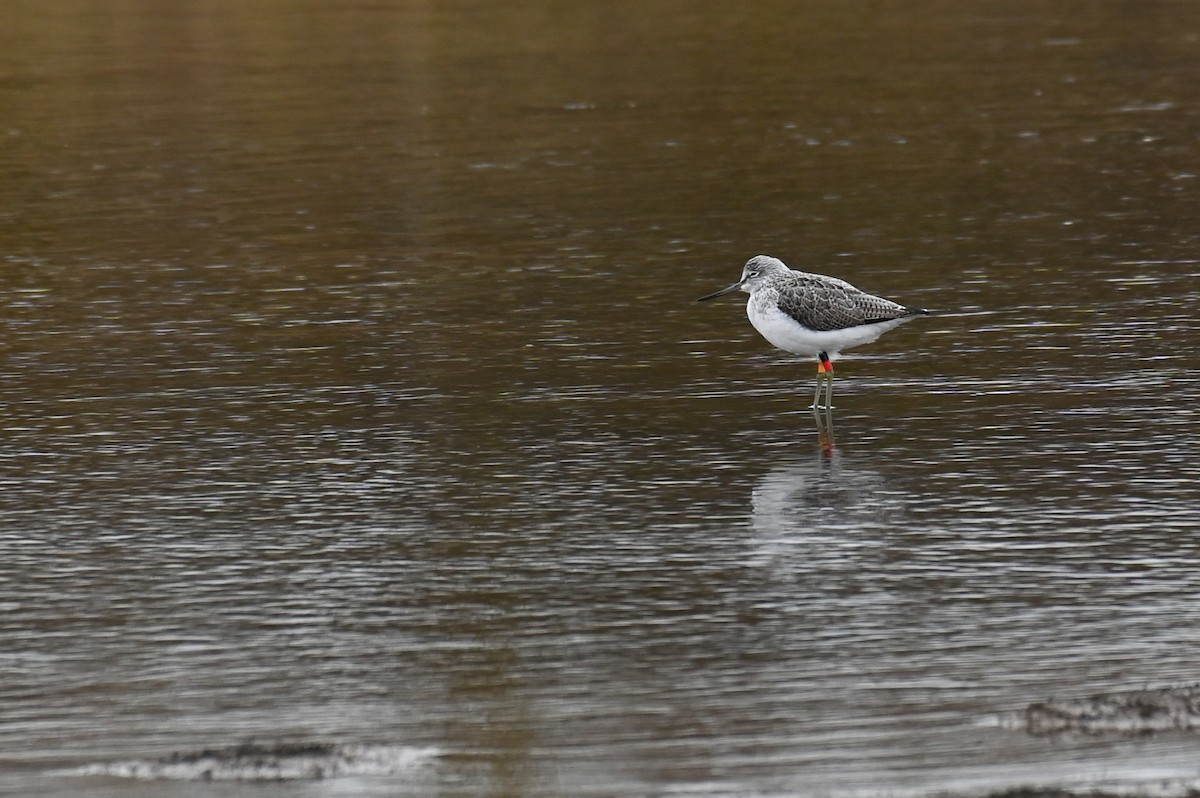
<point>784,332</point>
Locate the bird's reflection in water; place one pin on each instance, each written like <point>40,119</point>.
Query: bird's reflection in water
<point>821,511</point>
<point>824,418</point>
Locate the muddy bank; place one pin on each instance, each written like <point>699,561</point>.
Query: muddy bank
<point>252,761</point>
<point>1126,712</point>
<point>1055,792</point>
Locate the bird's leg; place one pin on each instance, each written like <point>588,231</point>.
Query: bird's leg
<point>817,395</point>
<point>825,371</point>
<point>829,385</point>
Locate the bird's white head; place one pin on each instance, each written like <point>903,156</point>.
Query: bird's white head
<point>757,271</point>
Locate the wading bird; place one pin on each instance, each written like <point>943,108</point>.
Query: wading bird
<point>813,315</point>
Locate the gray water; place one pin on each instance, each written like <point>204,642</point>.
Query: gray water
<point>354,391</point>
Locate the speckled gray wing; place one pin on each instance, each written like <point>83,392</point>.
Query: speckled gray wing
<point>826,303</point>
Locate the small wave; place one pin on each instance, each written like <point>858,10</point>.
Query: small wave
<point>278,762</point>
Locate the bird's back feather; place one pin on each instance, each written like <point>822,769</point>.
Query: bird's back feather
<point>826,303</point>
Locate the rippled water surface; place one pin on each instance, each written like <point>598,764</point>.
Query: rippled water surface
<point>354,392</point>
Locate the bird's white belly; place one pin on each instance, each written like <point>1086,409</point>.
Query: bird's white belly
<point>787,334</point>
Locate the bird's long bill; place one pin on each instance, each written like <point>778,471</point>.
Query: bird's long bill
<point>729,289</point>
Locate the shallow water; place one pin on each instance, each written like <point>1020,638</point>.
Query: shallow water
<point>355,392</point>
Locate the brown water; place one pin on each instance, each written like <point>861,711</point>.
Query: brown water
<point>354,391</point>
